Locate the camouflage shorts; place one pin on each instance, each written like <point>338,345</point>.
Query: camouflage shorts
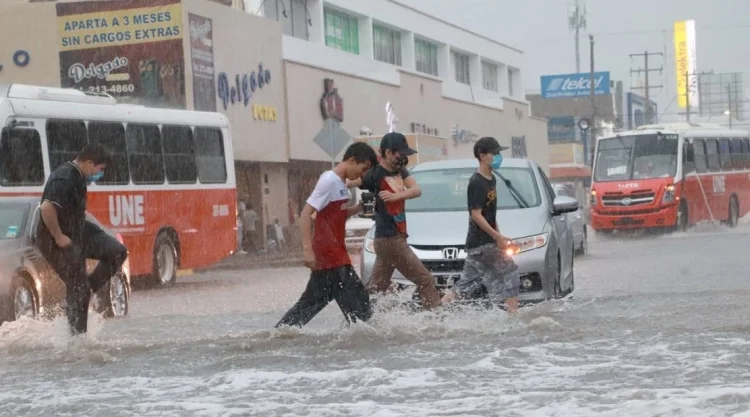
<point>487,266</point>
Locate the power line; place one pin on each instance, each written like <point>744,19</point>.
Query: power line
<point>643,32</point>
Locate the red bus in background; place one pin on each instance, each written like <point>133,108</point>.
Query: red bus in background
<point>670,176</point>
<point>170,191</point>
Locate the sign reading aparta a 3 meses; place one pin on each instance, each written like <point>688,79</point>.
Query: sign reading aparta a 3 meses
<point>130,49</point>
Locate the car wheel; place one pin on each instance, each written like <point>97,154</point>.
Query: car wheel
<point>115,297</point>
<point>572,286</point>
<point>734,212</point>
<point>165,261</point>
<point>25,303</point>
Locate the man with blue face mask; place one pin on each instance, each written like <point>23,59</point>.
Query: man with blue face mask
<point>66,239</point>
<point>487,266</point>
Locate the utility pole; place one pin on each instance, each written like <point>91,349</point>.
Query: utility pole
<point>576,22</point>
<point>646,87</point>
<point>593,130</point>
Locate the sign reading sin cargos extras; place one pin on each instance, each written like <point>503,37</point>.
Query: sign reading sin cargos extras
<point>243,86</point>
<point>574,85</point>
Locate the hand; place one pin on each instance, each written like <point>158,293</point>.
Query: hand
<point>309,258</point>
<point>449,297</point>
<point>502,242</point>
<point>388,196</point>
<point>63,241</point>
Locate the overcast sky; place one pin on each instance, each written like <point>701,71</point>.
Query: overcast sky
<point>620,28</point>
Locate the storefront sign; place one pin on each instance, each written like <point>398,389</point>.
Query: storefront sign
<point>562,129</point>
<point>243,86</point>
<point>265,113</point>
<point>463,136</point>
<point>21,59</point>
<point>131,50</point>
<point>331,104</point>
<point>422,128</point>
<point>202,61</point>
<point>518,146</point>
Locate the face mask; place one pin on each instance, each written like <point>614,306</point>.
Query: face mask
<point>402,162</point>
<point>497,160</point>
<point>96,177</point>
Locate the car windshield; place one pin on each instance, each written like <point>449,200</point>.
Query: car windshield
<point>636,157</point>
<point>12,220</point>
<point>445,189</point>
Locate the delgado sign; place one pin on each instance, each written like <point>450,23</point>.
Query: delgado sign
<point>574,85</point>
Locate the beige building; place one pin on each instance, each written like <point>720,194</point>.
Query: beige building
<point>268,75</point>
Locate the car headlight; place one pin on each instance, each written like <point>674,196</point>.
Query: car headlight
<point>369,245</point>
<point>530,242</point>
<point>668,195</point>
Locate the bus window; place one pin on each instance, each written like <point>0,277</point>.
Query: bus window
<point>179,154</point>
<point>65,138</point>
<point>738,159</point>
<point>21,157</point>
<point>688,158</point>
<point>209,151</point>
<point>699,152</point>
<point>112,136</point>
<point>712,155</point>
<point>144,152</point>
<point>725,157</point>
<point>746,151</point>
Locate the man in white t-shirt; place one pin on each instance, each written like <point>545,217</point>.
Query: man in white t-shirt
<point>332,277</point>
<point>250,218</point>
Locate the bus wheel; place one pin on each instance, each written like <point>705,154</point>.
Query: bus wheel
<point>734,212</point>
<point>682,217</point>
<point>165,261</point>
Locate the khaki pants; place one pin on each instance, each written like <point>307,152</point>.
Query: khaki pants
<point>394,253</point>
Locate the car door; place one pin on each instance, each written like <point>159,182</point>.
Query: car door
<point>574,219</point>
<point>563,234</point>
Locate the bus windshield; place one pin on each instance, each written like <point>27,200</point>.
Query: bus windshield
<point>636,157</point>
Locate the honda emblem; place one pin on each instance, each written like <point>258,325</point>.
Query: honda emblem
<point>450,253</point>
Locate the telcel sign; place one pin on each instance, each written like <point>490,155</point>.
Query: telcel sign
<point>574,85</point>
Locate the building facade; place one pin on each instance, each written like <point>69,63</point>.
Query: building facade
<point>298,79</point>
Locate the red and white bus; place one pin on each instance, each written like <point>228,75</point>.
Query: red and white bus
<point>670,176</point>
<point>170,191</point>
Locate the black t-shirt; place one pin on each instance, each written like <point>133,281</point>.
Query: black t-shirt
<point>390,219</point>
<point>66,189</point>
<point>481,194</point>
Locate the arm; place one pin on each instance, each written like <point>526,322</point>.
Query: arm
<point>49,217</point>
<point>306,226</point>
<point>354,184</point>
<point>354,210</point>
<point>412,189</point>
<point>476,196</point>
<point>476,215</point>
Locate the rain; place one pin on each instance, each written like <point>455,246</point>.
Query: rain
<point>614,152</point>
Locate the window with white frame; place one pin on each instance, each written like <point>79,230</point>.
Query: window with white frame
<point>489,76</point>
<point>510,82</point>
<point>293,16</point>
<point>342,31</point>
<point>426,57</point>
<point>461,67</point>
<point>386,44</point>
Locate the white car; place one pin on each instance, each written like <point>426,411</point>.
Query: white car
<point>576,221</point>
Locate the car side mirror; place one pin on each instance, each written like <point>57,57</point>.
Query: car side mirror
<point>564,204</point>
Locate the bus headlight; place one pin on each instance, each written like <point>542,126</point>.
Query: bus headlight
<point>668,195</point>
<point>530,242</point>
<point>593,198</point>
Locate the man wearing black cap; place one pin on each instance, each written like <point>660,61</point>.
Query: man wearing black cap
<point>392,185</point>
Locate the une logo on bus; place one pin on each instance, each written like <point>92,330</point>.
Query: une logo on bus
<point>126,210</point>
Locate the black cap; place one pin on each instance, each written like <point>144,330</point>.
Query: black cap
<point>396,142</point>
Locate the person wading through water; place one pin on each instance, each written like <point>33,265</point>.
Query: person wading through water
<point>66,239</point>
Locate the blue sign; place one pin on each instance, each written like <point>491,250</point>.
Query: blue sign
<point>562,129</point>
<point>242,87</point>
<point>574,85</point>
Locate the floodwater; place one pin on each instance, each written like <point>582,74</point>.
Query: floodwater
<point>657,326</point>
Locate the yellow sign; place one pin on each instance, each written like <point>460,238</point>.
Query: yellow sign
<point>120,27</point>
<point>681,62</point>
<point>566,153</point>
<point>265,113</point>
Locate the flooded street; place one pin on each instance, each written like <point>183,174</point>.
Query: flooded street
<point>657,326</point>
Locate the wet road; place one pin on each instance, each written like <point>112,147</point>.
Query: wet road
<point>657,327</point>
